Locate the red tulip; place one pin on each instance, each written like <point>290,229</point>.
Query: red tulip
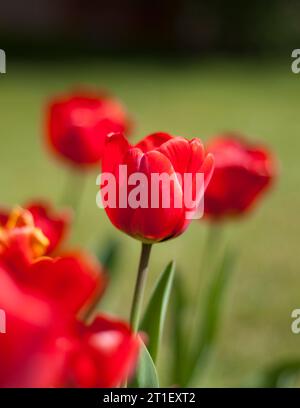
<point>243,172</point>
<point>44,346</point>
<point>20,241</point>
<point>158,153</point>
<point>78,123</point>
<point>54,225</point>
<point>106,354</point>
<point>29,352</point>
<point>3,217</point>
<point>72,280</point>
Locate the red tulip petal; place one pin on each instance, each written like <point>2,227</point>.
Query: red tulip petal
<point>108,354</point>
<point>28,350</point>
<point>72,281</point>
<point>207,169</point>
<point>115,149</point>
<point>121,214</point>
<point>53,225</point>
<point>4,214</point>
<point>156,224</point>
<point>153,141</point>
<point>197,155</point>
<point>242,173</point>
<point>78,124</point>
<point>178,151</point>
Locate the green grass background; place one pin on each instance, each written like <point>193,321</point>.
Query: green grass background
<point>196,99</point>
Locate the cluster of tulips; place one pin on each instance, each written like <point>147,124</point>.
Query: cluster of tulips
<point>55,335</point>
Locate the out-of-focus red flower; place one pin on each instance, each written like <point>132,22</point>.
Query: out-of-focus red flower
<point>54,225</point>
<point>33,352</point>
<point>158,153</point>
<point>3,217</point>
<point>78,124</point>
<point>74,281</point>
<point>243,171</point>
<point>45,346</point>
<point>106,354</point>
<point>20,241</point>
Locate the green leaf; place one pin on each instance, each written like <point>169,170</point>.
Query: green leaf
<point>154,318</point>
<point>178,331</point>
<point>108,255</point>
<point>146,374</point>
<point>207,330</point>
<point>280,375</point>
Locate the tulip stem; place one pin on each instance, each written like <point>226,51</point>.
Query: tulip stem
<point>139,287</point>
<point>73,191</point>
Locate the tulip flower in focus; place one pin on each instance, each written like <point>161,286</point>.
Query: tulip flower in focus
<point>158,153</point>
<point>78,123</point>
<point>243,172</point>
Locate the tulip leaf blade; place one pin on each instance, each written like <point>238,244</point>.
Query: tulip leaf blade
<point>146,375</point>
<point>211,311</point>
<point>281,374</point>
<point>155,314</point>
<point>108,255</point>
<point>178,334</point>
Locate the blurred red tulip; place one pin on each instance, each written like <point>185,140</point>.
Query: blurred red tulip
<point>78,123</point>
<point>156,154</point>
<point>20,241</point>
<point>3,217</point>
<point>43,346</point>
<point>243,171</point>
<point>54,225</point>
<point>74,281</point>
<point>106,354</point>
<point>29,352</point>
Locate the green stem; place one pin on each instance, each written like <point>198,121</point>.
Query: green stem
<point>209,258</point>
<point>140,287</point>
<point>87,314</point>
<point>73,190</point>
<point>211,247</point>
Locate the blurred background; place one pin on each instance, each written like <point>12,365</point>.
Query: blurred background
<point>191,68</point>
